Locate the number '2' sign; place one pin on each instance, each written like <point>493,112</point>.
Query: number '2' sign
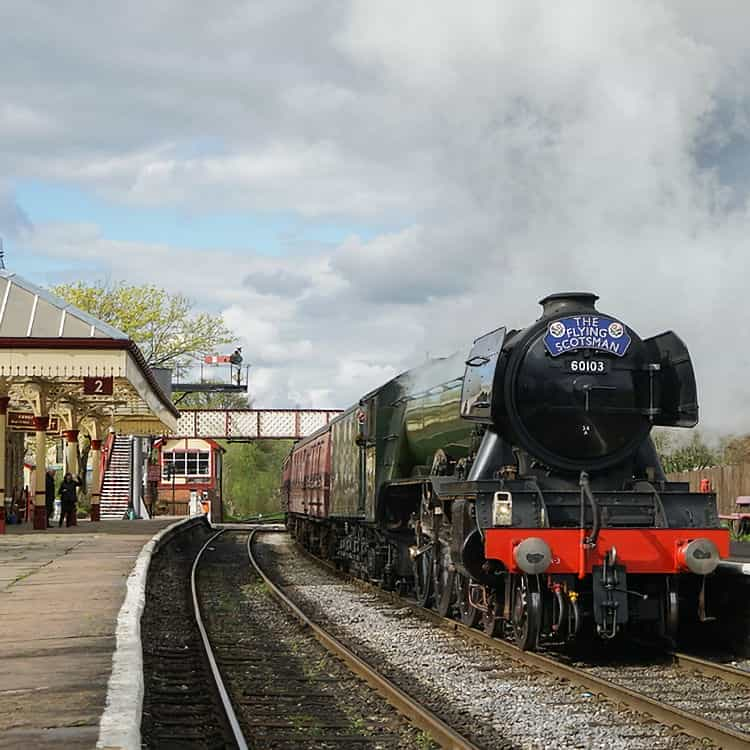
<point>98,386</point>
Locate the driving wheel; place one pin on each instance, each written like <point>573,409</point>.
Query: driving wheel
<point>423,578</point>
<point>526,611</point>
<point>468,613</point>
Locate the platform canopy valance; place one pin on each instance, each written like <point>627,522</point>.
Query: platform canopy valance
<point>57,359</point>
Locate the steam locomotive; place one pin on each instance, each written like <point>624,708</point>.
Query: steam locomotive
<point>518,486</point>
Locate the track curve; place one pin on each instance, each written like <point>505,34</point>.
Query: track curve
<point>226,702</point>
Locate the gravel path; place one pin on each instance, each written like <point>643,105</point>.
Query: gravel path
<point>499,703</point>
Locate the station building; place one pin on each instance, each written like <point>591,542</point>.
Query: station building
<point>67,380</point>
<point>186,477</point>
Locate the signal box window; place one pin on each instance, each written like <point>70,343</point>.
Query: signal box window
<point>186,464</point>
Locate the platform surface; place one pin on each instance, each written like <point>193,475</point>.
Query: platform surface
<point>60,593</point>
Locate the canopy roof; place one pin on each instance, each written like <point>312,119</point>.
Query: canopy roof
<point>28,311</point>
<point>48,347</point>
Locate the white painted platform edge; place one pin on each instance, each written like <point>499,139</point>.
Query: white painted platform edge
<point>120,724</point>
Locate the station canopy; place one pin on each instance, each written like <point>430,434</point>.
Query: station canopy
<point>80,363</point>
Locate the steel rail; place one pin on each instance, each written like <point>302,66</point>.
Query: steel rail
<point>419,715</point>
<point>695,726</point>
<point>711,668</point>
<point>226,703</point>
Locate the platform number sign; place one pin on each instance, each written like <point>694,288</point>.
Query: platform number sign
<point>98,386</point>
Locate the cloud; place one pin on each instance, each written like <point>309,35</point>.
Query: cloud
<point>13,219</point>
<point>278,282</point>
<point>508,150</point>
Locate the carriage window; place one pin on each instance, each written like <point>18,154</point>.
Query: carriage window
<point>186,464</point>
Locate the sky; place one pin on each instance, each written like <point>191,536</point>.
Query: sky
<point>356,186</point>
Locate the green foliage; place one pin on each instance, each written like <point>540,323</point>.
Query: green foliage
<point>252,477</point>
<point>213,401</point>
<point>689,456</point>
<point>163,325</point>
<point>736,449</point>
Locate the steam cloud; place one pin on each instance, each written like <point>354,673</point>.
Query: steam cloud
<point>484,154</point>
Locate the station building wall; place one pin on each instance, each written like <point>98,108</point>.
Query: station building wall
<point>185,466</point>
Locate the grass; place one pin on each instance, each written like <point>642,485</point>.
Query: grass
<point>735,537</point>
<point>256,588</point>
<point>423,741</point>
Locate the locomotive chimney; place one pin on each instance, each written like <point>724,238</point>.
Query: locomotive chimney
<point>568,302</point>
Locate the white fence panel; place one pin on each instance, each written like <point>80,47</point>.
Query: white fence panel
<point>252,424</point>
<point>243,424</point>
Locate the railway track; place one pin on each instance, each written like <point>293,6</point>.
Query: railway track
<point>226,667</point>
<point>282,688</point>
<point>704,699</point>
<point>437,729</point>
<point>226,702</point>
<point>697,689</point>
<point>499,703</point>
<point>181,708</point>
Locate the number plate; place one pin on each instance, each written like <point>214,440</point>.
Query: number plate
<point>587,366</point>
<point>98,386</point>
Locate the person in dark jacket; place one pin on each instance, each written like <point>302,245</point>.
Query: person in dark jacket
<point>68,498</point>
<point>49,495</point>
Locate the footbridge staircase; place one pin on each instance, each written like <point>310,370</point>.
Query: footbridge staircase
<point>117,480</point>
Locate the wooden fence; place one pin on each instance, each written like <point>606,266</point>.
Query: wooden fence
<point>728,482</point>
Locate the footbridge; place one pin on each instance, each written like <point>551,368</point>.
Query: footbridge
<point>252,424</point>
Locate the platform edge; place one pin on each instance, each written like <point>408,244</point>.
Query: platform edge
<point>120,724</point>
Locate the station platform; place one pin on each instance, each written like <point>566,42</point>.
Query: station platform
<point>60,594</point>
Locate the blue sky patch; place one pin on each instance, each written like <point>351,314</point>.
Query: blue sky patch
<point>272,234</point>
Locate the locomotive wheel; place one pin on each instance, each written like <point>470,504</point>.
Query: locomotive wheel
<point>560,614</point>
<point>526,611</point>
<point>491,619</point>
<point>446,596</point>
<point>574,619</point>
<point>423,578</point>
<point>671,610</point>
<point>468,613</point>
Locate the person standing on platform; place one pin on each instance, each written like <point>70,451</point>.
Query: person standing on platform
<point>68,498</point>
<point>49,495</point>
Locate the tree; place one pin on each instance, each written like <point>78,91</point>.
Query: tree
<point>692,455</point>
<point>737,449</point>
<point>216,400</point>
<point>163,325</point>
<point>252,477</point>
